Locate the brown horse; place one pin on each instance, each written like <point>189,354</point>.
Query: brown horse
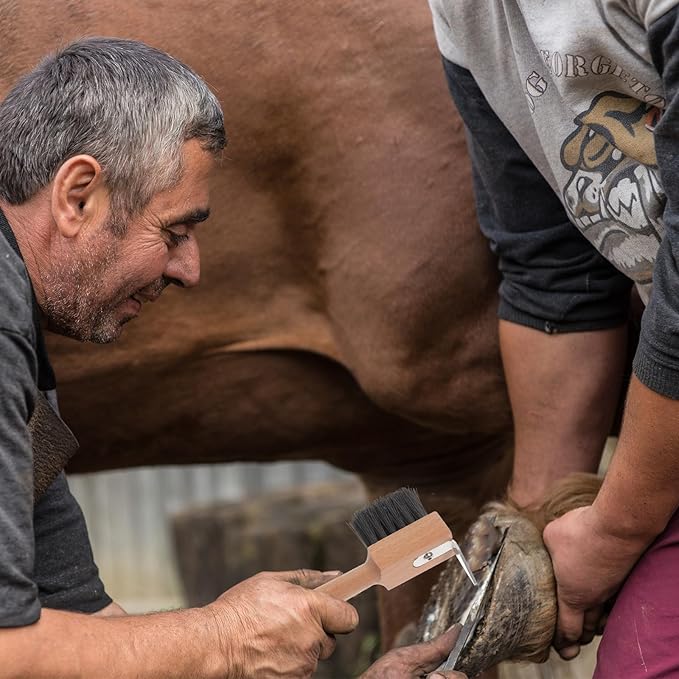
<point>347,309</point>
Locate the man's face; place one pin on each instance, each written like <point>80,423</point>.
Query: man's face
<point>102,284</point>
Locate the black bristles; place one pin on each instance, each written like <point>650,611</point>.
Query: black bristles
<point>386,515</point>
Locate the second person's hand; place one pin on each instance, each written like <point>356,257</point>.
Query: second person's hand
<point>416,661</point>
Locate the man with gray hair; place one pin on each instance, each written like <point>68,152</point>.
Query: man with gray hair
<point>105,154</point>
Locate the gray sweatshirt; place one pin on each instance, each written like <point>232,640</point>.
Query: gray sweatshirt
<point>583,92</point>
<point>45,554</point>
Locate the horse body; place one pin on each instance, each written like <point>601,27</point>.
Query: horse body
<point>347,304</point>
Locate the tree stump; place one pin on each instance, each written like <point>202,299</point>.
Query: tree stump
<point>305,527</point>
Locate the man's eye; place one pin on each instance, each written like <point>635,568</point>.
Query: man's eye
<point>177,238</point>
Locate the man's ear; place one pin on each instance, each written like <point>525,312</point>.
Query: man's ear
<point>78,194</point>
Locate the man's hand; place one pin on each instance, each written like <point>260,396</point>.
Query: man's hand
<point>590,564</point>
<point>275,625</point>
<point>594,548</point>
<point>415,662</point>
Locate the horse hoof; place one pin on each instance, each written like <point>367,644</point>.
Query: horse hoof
<point>519,617</point>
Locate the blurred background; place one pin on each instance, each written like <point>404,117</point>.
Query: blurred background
<point>129,516</point>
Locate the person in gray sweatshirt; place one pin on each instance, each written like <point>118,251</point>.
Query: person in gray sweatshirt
<point>572,114</point>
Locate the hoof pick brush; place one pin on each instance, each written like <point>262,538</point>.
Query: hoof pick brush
<point>403,542</point>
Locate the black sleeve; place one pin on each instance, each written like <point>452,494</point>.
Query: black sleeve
<point>656,362</point>
<point>553,279</point>
<point>19,604</point>
<point>64,568</point>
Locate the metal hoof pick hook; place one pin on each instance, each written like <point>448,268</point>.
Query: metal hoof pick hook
<point>464,563</point>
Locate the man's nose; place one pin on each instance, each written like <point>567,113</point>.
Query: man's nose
<point>183,267</point>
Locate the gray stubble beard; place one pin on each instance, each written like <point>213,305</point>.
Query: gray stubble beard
<point>70,297</point>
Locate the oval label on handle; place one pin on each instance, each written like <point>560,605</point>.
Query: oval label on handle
<point>433,553</point>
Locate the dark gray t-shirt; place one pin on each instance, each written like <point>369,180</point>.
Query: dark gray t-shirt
<point>45,554</point>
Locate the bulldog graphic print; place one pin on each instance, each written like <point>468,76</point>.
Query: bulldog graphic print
<point>614,194</point>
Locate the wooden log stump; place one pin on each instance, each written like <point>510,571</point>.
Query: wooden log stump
<point>306,527</point>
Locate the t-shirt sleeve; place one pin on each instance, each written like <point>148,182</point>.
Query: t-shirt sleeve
<point>45,555</point>
<point>656,362</point>
<point>649,11</point>
<point>64,570</point>
<point>553,279</point>
<point>19,603</point>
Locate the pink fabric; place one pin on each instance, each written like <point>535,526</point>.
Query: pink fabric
<point>641,638</point>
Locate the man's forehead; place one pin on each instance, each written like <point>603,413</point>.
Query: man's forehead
<point>188,200</point>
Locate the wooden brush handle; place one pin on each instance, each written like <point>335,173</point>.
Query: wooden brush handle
<point>355,581</point>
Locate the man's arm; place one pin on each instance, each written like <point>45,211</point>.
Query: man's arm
<point>641,489</point>
<point>272,623</point>
<point>564,390</point>
<point>594,548</point>
<point>61,644</point>
<point>563,307</point>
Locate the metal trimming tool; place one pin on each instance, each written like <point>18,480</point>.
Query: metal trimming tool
<point>476,609</point>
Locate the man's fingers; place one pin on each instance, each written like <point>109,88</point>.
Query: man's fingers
<point>569,652</point>
<point>337,617</point>
<point>430,654</point>
<point>591,624</point>
<point>601,625</point>
<point>407,662</point>
<point>327,647</point>
<point>305,578</point>
<point>568,630</point>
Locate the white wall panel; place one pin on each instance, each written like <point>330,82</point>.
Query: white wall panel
<point>129,515</point>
